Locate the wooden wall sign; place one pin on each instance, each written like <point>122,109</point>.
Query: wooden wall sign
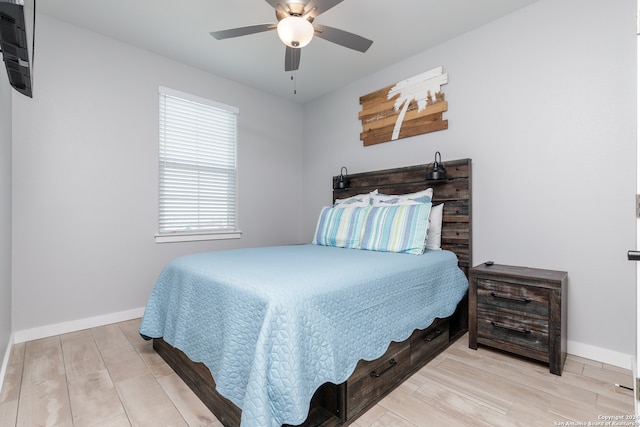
<point>408,108</point>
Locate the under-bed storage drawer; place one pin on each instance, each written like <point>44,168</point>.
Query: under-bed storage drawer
<point>373,379</point>
<point>427,343</point>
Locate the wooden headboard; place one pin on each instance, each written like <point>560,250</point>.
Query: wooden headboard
<point>454,191</point>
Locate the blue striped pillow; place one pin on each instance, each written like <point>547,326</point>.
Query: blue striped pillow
<point>341,227</point>
<point>399,228</point>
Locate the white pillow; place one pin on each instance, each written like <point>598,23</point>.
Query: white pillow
<point>416,198</point>
<point>359,200</point>
<point>434,232</point>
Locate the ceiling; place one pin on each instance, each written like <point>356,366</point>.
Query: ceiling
<point>179,29</point>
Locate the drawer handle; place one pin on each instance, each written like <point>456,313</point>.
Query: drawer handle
<point>511,328</point>
<point>521,300</point>
<point>429,338</point>
<point>375,374</point>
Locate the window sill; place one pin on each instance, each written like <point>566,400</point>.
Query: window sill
<point>185,237</point>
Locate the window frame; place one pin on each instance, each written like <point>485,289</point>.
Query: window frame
<point>197,235</point>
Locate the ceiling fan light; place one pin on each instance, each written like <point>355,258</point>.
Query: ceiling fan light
<point>295,31</point>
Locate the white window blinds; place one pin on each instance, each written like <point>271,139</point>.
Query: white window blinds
<point>198,173</point>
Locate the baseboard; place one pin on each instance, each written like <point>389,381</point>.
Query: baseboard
<point>76,325</point>
<point>5,361</point>
<point>599,354</point>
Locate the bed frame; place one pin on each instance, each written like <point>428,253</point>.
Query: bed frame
<point>339,405</point>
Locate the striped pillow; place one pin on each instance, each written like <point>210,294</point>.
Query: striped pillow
<point>400,228</point>
<point>341,227</point>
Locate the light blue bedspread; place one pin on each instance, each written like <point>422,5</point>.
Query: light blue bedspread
<point>273,324</point>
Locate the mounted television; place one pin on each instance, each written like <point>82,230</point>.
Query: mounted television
<point>14,45</point>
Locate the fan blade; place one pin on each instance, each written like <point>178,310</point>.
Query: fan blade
<point>243,31</point>
<point>274,3</point>
<point>292,58</point>
<point>284,8</point>
<point>321,6</point>
<point>343,38</point>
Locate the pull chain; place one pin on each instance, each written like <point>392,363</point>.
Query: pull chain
<point>294,83</point>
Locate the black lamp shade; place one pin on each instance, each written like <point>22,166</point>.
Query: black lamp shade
<point>438,171</point>
<point>342,181</point>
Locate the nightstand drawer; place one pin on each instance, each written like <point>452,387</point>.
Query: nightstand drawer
<point>517,329</point>
<point>513,296</point>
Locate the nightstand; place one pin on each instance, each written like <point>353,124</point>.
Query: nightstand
<point>520,310</point>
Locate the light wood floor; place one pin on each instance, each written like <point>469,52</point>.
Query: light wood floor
<point>109,376</point>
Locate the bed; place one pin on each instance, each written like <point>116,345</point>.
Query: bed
<point>316,334</point>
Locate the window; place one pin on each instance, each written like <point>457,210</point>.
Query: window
<point>198,170</point>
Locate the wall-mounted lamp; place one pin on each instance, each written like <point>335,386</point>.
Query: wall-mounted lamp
<point>438,171</point>
<point>342,181</point>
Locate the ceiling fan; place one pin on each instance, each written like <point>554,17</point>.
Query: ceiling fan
<point>295,28</point>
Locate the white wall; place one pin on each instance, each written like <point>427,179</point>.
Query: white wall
<point>543,102</point>
<point>5,214</point>
<point>85,175</point>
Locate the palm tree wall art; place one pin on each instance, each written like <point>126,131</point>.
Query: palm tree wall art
<point>410,107</point>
